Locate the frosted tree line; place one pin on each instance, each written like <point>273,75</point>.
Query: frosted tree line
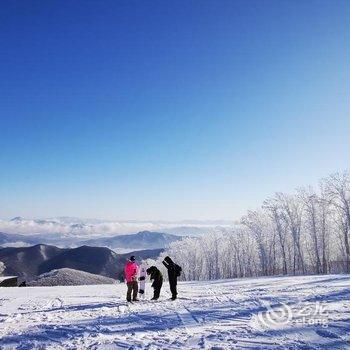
<point>2,268</point>
<point>306,232</point>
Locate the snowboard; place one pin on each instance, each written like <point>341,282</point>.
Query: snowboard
<point>142,279</point>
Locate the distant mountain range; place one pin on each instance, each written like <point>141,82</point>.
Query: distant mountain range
<point>77,227</point>
<point>12,238</point>
<point>120,243</point>
<point>138,241</point>
<point>27,262</point>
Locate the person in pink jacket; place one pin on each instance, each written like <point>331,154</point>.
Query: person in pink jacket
<point>131,270</point>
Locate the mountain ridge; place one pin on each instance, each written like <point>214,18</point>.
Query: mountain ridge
<point>138,241</point>
<point>121,243</point>
<point>28,262</point>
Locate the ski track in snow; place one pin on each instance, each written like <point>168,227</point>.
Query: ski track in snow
<point>208,315</point>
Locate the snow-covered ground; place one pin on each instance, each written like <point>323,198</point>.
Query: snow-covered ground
<point>69,277</point>
<point>263,313</point>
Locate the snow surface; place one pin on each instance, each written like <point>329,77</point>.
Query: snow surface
<point>226,314</point>
<point>69,277</point>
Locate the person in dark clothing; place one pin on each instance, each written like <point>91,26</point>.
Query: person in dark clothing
<point>157,278</point>
<point>174,271</point>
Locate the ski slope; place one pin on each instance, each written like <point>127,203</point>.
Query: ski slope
<point>260,313</point>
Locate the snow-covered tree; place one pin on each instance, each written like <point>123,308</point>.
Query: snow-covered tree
<point>303,232</point>
<point>273,209</point>
<point>2,268</point>
<point>338,191</point>
<point>260,227</point>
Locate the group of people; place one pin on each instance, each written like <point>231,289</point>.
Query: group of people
<point>133,277</point>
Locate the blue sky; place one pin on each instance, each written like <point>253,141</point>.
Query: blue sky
<point>169,109</point>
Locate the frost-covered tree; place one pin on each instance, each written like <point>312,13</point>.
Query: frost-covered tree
<point>273,209</point>
<point>2,268</point>
<point>292,213</point>
<point>260,227</point>
<point>218,254</point>
<point>303,232</point>
<point>316,215</point>
<point>338,190</point>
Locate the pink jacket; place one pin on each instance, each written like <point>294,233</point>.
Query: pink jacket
<point>131,271</point>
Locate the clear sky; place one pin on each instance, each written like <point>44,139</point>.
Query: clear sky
<point>169,109</point>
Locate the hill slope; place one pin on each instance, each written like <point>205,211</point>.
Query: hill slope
<point>69,277</point>
<point>26,261</point>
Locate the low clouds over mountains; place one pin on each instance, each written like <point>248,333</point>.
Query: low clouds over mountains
<point>89,227</point>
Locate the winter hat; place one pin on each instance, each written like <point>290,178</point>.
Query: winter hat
<point>132,258</point>
<point>151,269</point>
<point>168,260</point>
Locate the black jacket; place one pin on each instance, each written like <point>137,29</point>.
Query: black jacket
<point>173,269</point>
<point>155,276</point>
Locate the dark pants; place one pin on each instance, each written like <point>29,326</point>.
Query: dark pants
<point>173,290</point>
<point>157,289</point>
<point>132,287</point>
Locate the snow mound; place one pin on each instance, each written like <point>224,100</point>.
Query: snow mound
<point>69,277</point>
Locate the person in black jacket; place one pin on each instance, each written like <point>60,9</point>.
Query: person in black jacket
<point>174,272</point>
<point>157,278</point>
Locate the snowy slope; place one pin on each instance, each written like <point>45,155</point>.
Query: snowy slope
<point>69,277</point>
<point>221,315</point>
